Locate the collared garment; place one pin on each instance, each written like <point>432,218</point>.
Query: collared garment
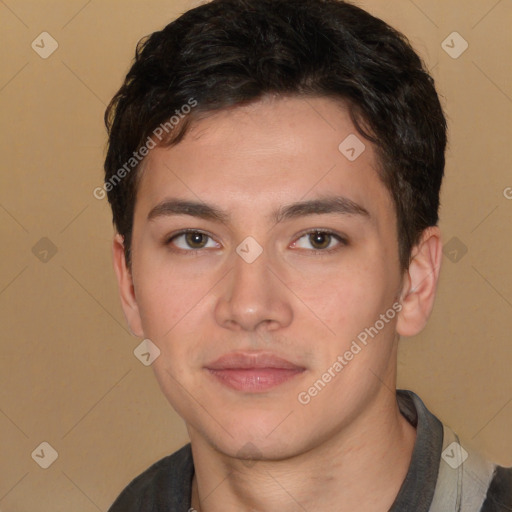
<point>443,476</point>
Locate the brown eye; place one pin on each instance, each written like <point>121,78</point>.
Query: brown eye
<point>196,240</point>
<point>320,240</point>
<point>192,240</point>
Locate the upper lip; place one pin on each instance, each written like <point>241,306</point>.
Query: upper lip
<point>246,361</point>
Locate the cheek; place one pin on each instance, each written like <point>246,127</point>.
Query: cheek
<point>176,313</point>
<point>343,293</point>
<point>165,297</point>
<point>349,299</point>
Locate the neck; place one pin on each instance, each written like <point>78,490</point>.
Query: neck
<point>361,467</point>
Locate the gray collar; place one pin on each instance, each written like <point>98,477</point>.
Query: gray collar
<point>417,490</point>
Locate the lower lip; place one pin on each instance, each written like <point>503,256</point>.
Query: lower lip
<point>254,379</point>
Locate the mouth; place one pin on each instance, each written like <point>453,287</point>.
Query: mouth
<point>256,372</point>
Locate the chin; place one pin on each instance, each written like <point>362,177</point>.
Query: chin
<point>255,436</point>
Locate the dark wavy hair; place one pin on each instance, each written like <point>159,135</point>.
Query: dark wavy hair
<point>232,52</point>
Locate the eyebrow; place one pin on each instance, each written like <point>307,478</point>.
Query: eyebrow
<point>331,204</point>
<point>170,207</point>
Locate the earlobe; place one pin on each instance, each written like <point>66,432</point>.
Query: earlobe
<point>126,287</point>
<point>420,283</point>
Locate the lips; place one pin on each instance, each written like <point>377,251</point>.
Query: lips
<point>245,361</point>
<point>253,372</point>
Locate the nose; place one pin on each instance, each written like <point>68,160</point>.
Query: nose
<point>252,297</point>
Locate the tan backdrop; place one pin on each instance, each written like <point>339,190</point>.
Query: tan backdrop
<point>69,377</point>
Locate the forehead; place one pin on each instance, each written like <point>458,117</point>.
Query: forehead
<point>272,152</point>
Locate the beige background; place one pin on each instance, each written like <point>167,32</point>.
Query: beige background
<point>68,373</point>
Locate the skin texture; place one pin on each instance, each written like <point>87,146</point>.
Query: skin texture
<point>349,444</point>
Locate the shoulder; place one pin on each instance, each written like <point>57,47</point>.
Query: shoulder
<point>446,473</point>
<point>499,493</point>
<point>469,480</point>
<point>166,485</point>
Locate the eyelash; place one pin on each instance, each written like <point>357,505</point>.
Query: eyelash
<point>342,240</point>
<point>169,239</point>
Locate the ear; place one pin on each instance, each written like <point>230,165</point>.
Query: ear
<point>126,288</point>
<point>420,283</point>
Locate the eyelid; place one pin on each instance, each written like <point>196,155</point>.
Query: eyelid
<point>342,239</point>
<point>169,238</point>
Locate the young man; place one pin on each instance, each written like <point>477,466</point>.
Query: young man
<point>274,169</point>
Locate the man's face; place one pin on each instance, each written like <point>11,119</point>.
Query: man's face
<point>321,278</point>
